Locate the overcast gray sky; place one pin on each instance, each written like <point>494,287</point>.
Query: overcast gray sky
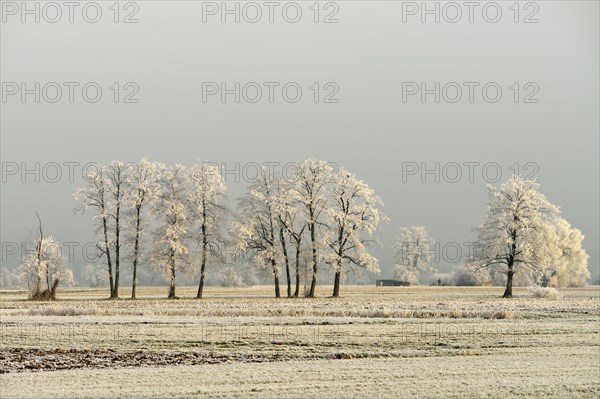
<point>368,58</point>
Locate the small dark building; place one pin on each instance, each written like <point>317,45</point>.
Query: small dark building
<point>392,283</point>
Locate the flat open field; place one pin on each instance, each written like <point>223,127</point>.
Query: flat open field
<point>445,342</point>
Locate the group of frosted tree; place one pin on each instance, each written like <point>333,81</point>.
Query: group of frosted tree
<point>522,237</point>
<point>169,217</point>
<point>325,211</point>
<point>175,219</point>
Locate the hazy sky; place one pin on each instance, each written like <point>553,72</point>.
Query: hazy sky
<point>369,57</point>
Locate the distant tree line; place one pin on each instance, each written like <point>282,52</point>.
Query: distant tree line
<point>175,219</point>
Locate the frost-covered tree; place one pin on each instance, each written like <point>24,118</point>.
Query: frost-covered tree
<point>249,276</point>
<point>285,214</point>
<point>230,278</point>
<point>208,210</point>
<point>94,275</point>
<point>256,228</point>
<point>473,275</point>
<point>118,177</point>
<point>43,270</point>
<point>292,226</point>
<point>171,244</point>
<point>518,233</point>
<point>308,187</point>
<point>571,268</point>
<point>353,217</point>
<point>95,195</point>
<point>143,189</point>
<point>413,252</point>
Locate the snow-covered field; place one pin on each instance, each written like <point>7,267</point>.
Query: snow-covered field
<point>372,342</point>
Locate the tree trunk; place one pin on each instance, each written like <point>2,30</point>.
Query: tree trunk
<point>47,269</point>
<point>108,259</point>
<point>38,289</point>
<point>509,281</point>
<point>204,252</point>
<point>202,274</point>
<point>38,254</point>
<point>336,284</point>
<point>510,265</point>
<point>52,290</point>
<point>273,243</point>
<point>275,279</point>
<point>135,252</point>
<point>313,283</point>
<point>338,269</point>
<point>134,278</point>
<point>117,247</point>
<point>172,277</point>
<point>287,263</point>
<point>39,258</point>
<point>297,291</point>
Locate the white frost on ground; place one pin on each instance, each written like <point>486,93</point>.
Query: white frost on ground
<point>530,374</point>
<point>415,342</point>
